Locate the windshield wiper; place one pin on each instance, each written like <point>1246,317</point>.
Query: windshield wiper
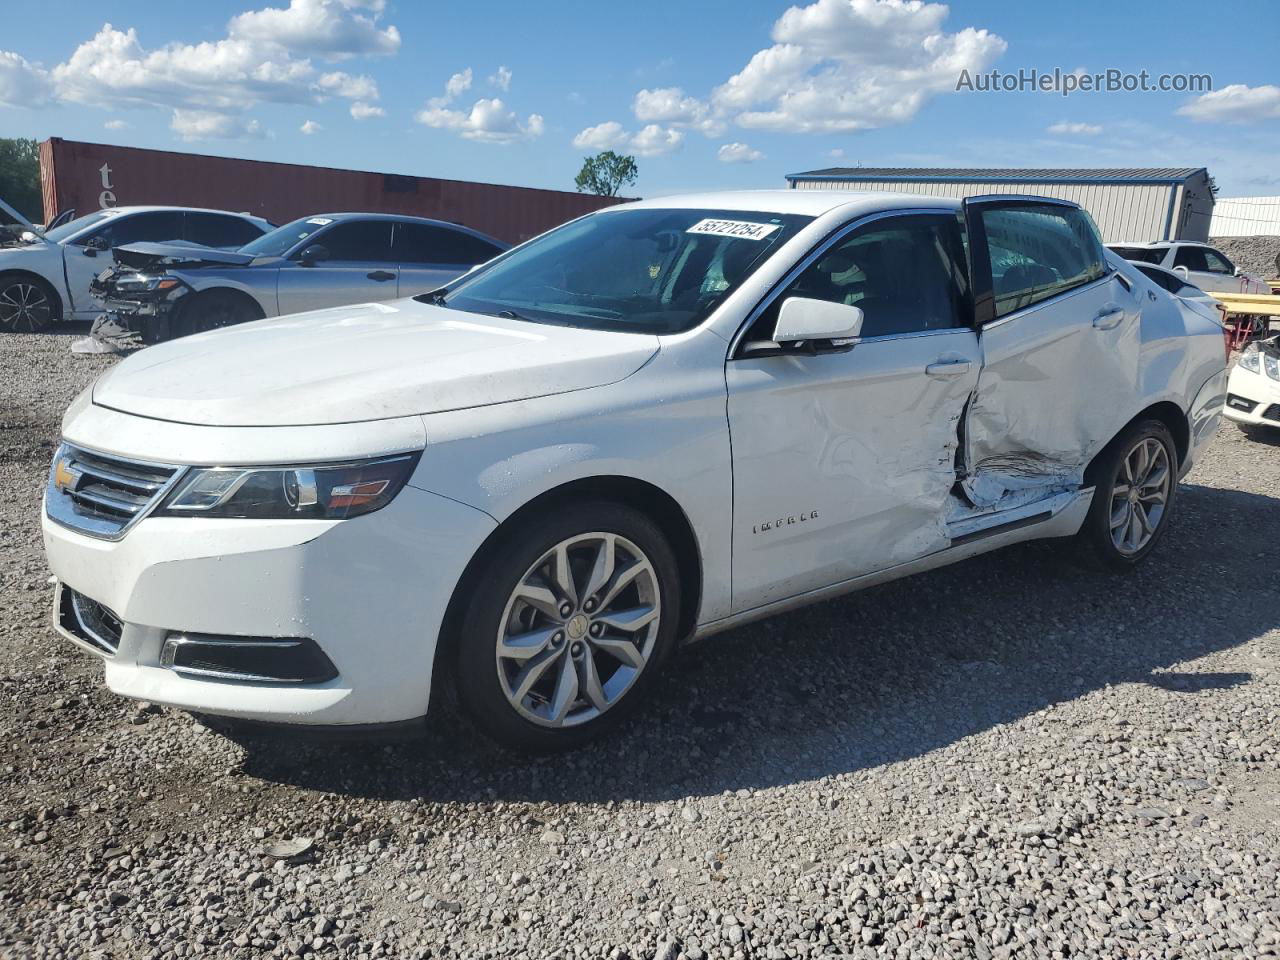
<point>512,315</point>
<point>434,297</point>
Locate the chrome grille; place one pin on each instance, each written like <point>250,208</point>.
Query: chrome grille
<point>103,495</point>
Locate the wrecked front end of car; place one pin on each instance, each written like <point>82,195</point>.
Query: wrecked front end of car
<point>145,287</point>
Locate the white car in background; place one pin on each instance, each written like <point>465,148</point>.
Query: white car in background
<point>1207,267</point>
<point>1182,288</point>
<point>651,424</point>
<point>1253,390</point>
<point>46,276</point>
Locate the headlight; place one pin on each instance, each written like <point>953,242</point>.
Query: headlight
<point>1271,365</point>
<point>1251,359</point>
<point>138,283</point>
<point>317,492</point>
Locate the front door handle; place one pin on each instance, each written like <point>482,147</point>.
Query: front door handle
<point>381,275</point>
<point>1108,319</point>
<point>948,368</point>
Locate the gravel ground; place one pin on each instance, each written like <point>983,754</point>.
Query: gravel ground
<point>1013,757</point>
<point>1253,254</point>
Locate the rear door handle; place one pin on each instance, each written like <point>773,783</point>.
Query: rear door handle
<point>1108,319</point>
<point>948,368</point>
<point>381,275</point>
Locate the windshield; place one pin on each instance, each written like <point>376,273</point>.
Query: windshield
<point>642,271</point>
<point>278,242</point>
<point>72,227</point>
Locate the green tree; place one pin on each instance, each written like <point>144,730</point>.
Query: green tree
<point>606,173</point>
<point>20,177</point>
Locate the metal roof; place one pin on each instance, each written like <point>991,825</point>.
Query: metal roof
<point>1007,174</point>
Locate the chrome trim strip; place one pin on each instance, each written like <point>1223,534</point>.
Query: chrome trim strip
<point>122,505</point>
<point>107,646</point>
<point>175,641</point>
<point>817,252</point>
<point>1001,321</point>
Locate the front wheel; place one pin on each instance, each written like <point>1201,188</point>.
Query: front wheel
<point>27,304</point>
<point>1135,480</point>
<point>213,310</point>
<point>566,625</point>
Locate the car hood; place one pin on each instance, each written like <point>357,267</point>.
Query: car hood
<point>371,361</point>
<point>143,255</point>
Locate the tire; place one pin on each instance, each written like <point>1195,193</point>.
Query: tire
<point>27,303</point>
<point>533,695</point>
<point>1123,528</point>
<point>213,310</point>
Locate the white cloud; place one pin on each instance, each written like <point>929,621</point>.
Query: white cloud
<point>310,127</point>
<point>649,141</point>
<point>501,79</point>
<point>332,29</point>
<point>116,125</point>
<point>458,83</point>
<point>263,58</point>
<point>211,125</point>
<point>363,111</point>
<point>836,154</point>
<point>1064,128</point>
<point>348,87</point>
<point>670,105</point>
<point>738,153</point>
<point>23,83</point>
<point>489,120</point>
<point>1237,103</point>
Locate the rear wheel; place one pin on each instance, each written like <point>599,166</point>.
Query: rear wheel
<point>215,309</point>
<point>27,303</point>
<point>1135,480</point>
<point>566,626</point>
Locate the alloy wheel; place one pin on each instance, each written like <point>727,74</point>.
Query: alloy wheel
<point>24,307</point>
<point>1140,496</point>
<point>578,629</point>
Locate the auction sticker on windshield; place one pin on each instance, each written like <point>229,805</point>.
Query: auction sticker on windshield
<point>742,229</point>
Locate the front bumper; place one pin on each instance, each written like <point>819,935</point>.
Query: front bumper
<point>1252,398</point>
<point>371,593</point>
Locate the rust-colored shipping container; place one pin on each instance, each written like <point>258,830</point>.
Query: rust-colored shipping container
<point>89,176</point>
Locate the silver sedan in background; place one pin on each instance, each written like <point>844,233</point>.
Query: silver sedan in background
<point>164,290</point>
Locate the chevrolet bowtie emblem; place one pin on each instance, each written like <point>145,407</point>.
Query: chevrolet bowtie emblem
<point>64,477</point>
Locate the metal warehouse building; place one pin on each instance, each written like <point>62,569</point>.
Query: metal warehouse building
<point>1127,203</point>
<point>1246,217</point>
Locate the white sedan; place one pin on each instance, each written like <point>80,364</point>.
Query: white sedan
<point>45,277</point>
<point>649,425</point>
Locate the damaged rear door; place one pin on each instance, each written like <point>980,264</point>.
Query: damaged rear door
<point>1060,336</point>
<point>844,458</point>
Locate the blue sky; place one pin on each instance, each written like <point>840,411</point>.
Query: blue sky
<point>708,93</point>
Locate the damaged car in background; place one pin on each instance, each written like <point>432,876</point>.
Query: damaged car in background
<point>1253,391</point>
<point>649,425</point>
<point>45,275</point>
<point>162,291</point>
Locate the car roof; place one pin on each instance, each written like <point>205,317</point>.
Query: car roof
<point>400,218</point>
<point>150,208</point>
<point>811,202</point>
<point>1160,244</point>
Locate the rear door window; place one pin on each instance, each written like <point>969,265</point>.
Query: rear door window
<point>1192,258</point>
<point>427,243</point>
<point>1038,251</point>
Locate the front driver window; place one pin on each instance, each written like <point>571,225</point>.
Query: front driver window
<point>1216,263</point>
<point>907,274</point>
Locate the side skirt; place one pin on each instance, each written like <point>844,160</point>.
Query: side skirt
<point>1062,516</point>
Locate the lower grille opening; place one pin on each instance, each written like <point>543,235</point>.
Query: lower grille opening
<point>1272,412</point>
<point>247,659</point>
<point>89,621</point>
<point>1237,402</point>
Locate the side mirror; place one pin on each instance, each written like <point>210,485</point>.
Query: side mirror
<point>804,319</point>
<point>1181,271</point>
<point>313,254</point>
<point>93,245</point>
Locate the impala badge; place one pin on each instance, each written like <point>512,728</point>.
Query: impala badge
<point>766,525</point>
